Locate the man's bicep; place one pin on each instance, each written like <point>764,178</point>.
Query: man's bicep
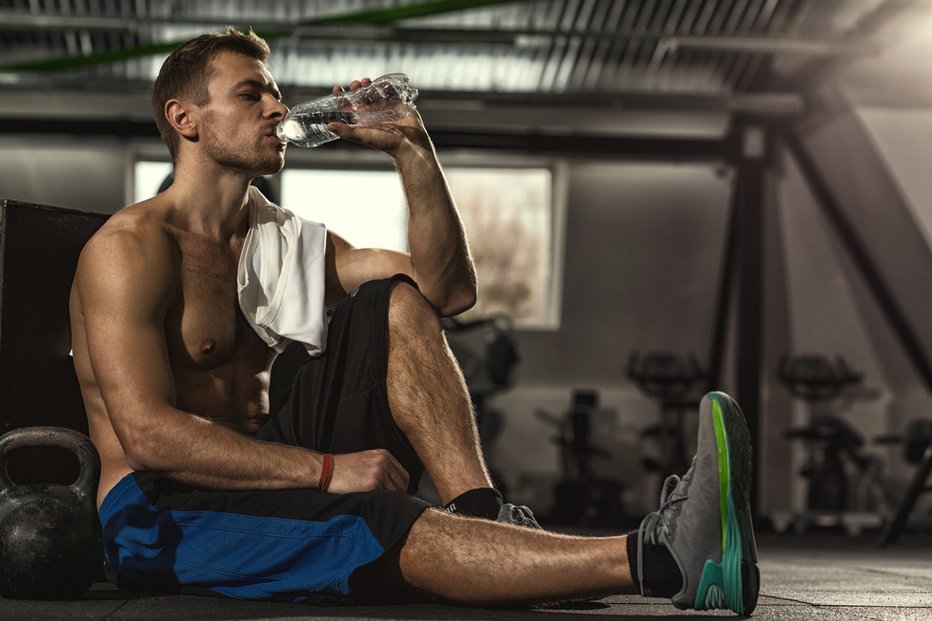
<point>129,360</point>
<point>124,300</point>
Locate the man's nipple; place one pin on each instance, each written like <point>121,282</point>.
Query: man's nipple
<point>208,346</point>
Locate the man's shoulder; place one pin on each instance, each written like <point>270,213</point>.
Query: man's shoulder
<point>135,238</point>
<point>130,262</point>
<point>142,226</point>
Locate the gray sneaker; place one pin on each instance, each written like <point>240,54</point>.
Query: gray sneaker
<point>704,518</point>
<point>519,515</point>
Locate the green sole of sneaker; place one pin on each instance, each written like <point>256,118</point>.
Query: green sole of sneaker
<point>733,583</point>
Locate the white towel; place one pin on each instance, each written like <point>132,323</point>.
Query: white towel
<point>280,277</point>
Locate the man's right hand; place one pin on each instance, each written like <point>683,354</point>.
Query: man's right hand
<point>366,471</point>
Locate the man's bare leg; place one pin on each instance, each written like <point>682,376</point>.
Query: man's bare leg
<point>479,562</point>
<point>428,396</point>
<point>450,557</point>
<point>698,548</point>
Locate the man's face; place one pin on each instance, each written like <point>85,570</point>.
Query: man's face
<point>237,127</point>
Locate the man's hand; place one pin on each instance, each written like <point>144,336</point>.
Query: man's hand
<point>388,137</point>
<point>366,471</point>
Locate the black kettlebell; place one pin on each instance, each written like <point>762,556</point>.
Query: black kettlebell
<point>48,532</point>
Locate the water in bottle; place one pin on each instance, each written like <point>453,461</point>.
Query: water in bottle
<point>387,98</point>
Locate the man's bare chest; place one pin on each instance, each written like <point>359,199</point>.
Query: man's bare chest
<point>204,326</point>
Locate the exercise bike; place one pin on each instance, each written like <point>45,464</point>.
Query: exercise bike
<point>846,487</point>
<point>917,449</point>
<point>671,379</point>
<point>488,357</point>
<point>582,497</point>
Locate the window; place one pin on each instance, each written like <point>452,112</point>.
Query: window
<point>148,178</point>
<point>511,216</point>
<point>365,207</point>
<point>508,214</point>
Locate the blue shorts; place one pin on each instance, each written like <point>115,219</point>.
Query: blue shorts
<point>293,544</point>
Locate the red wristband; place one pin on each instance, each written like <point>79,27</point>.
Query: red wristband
<point>326,473</point>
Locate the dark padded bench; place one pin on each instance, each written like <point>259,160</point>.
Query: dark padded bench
<point>39,248</point>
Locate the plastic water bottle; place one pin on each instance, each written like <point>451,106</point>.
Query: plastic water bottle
<point>387,98</point>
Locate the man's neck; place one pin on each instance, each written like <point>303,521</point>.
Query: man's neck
<point>211,205</point>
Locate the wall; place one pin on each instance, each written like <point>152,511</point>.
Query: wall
<point>904,138</point>
<point>81,174</point>
<point>827,310</point>
<point>644,244</point>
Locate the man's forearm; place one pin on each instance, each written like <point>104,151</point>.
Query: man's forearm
<point>204,454</point>
<point>436,239</point>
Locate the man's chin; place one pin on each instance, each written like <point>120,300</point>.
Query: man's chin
<point>273,167</point>
<point>279,162</point>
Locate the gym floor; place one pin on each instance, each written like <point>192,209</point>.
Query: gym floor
<point>811,576</point>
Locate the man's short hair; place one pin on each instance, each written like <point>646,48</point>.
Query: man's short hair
<point>186,73</point>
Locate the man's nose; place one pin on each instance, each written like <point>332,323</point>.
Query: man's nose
<point>279,109</point>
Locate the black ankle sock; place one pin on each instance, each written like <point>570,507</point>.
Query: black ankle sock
<point>662,577</point>
<point>483,502</point>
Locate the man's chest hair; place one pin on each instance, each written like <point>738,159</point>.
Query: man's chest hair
<point>205,322</point>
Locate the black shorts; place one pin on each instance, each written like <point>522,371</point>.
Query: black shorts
<point>338,402</point>
<point>297,544</point>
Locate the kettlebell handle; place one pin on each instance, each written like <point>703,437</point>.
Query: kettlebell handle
<point>77,443</point>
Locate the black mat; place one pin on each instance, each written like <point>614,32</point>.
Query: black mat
<point>802,577</point>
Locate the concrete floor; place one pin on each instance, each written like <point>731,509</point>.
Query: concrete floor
<point>802,577</point>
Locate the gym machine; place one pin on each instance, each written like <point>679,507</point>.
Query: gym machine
<point>488,355</point>
<point>671,379</point>
<point>917,449</point>
<point>581,497</point>
<point>845,486</point>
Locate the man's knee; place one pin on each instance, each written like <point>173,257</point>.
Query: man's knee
<point>409,309</point>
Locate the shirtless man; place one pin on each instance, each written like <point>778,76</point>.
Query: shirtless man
<point>202,488</point>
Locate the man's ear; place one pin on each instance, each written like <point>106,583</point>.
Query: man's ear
<point>182,116</point>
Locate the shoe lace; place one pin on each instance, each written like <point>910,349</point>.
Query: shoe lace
<point>663,521</point>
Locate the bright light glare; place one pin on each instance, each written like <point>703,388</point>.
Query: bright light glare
<point>367,208</point>
<point>148,177</point>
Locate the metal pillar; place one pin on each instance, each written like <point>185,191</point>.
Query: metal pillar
<point>742,275</point>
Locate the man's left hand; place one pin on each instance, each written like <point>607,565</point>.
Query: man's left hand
<point>391,137</point>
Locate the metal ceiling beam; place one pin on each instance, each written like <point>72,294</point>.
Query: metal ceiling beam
<point>769,104</point>
<point>872,24</point>
<point>775,45</point>
<point>652,148</point>
<point>525,38</point>
<point>774,104</point>
<point>20,22</point>
<point>537,142</point>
